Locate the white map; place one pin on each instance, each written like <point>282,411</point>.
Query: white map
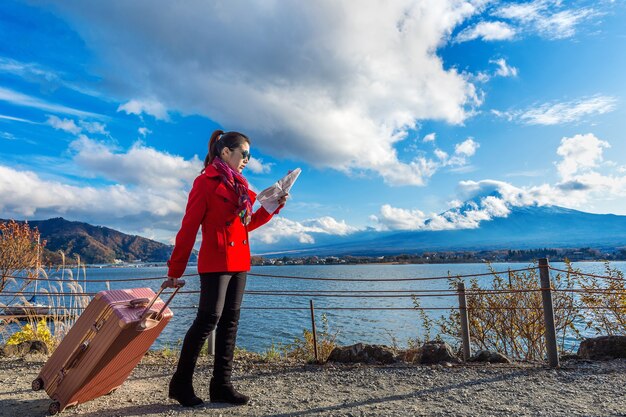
<point>270,196</point>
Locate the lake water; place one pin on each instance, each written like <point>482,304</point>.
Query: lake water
<point>260,328</point>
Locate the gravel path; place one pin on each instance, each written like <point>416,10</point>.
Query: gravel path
<point>579,388</point>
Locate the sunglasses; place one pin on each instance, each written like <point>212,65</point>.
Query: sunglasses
<point>244,154</point>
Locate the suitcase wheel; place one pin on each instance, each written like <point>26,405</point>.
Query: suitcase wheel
<point>37,384</point>
<point>54,408</point>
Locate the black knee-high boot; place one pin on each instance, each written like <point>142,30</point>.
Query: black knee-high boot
<point>221,388</point>
<point>181,384</point>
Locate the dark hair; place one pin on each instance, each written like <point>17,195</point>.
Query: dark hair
<point>220,140</point>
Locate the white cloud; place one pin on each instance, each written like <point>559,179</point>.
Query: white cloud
<point>580,183</point>
<point>151,107</point>
<point>287,87</point>
<point>526,12</point>
<point>17,119</point>
<point>429,138</point>
<point>564,112</point>
<point>331,226</point>
<point>67,125</point>
<point>470,217</point>
<point>28,71</point>
<point>550,114</point>
<point>147,193</point>
<point>427,167</point>
<point>580,153</point>
<point>144,131</point>
<point>70,126</point>
<point>504,70</point>
<point>488,31</point>
<point>460,216</point>
<point>466,148</point>
<point>281,228</point>
<point>443,156</point>
<point>258,167</point>
<point>393,218</point>
<point>480,77</point>
<point>144,190</point>
<point>546,18</point>
<point>563,24</point>
<point>29,196</point>
<point>93,127</point>
<point>140,166</point>
<point>462,151</point>
<point>20,99</point>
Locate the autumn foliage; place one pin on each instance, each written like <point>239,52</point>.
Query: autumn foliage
<point>20,250</point>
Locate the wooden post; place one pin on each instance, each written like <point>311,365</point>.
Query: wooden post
<point>548,313</point>
<point>465,334</point>
<point>314,331</point>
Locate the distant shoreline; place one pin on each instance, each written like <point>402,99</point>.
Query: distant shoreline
<point>475,262</point>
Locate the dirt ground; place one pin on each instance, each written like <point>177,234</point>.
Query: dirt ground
<point>579,388</point>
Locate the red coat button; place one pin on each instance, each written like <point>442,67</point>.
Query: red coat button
<point>232,243</point>
<point>245,242</point>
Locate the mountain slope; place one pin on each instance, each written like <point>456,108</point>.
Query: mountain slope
<point>527,227</point>
<point>524,228</point>
<point>96,244</point>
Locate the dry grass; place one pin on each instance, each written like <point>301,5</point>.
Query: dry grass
<point>303,349</point>
<point>605,301</point>
<point>20,260</point>
<point>512,322</point>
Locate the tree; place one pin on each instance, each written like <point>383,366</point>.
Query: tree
<point>20,250</point>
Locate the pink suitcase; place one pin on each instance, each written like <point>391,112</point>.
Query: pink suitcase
<point>104,345</point>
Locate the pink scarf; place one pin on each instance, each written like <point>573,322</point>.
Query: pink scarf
<point>236,182</point>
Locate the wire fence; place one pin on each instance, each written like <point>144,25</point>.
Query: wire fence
<point>544,288</point>
<point>356,293</point>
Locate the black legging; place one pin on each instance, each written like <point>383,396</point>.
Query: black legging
<point>220,304</point>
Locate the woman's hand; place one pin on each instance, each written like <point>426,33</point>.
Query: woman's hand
<point>281,203</point>
<point>171,282</point>
<point>283,200</point>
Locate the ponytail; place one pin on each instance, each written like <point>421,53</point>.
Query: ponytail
<point>220,140</point>
<point>213,148</point>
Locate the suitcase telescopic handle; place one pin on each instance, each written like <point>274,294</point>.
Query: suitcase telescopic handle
<point>145,316</point>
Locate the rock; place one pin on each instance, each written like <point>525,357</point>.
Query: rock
<point>362,353</point>
<point>431,352</point>
<point>24,348</point>
<point>569,357</point>
<point>603,348</point>
<point>488,356</point>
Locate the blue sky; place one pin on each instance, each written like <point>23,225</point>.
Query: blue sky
<point>397,112</point>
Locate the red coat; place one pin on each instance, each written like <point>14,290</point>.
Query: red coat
<point>225,244</point>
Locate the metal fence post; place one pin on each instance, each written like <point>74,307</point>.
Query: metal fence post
<point>314,331</point>
<point>465,334</point>
<point>548,313</point>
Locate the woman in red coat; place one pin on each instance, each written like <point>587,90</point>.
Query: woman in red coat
<point>221,202</point>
